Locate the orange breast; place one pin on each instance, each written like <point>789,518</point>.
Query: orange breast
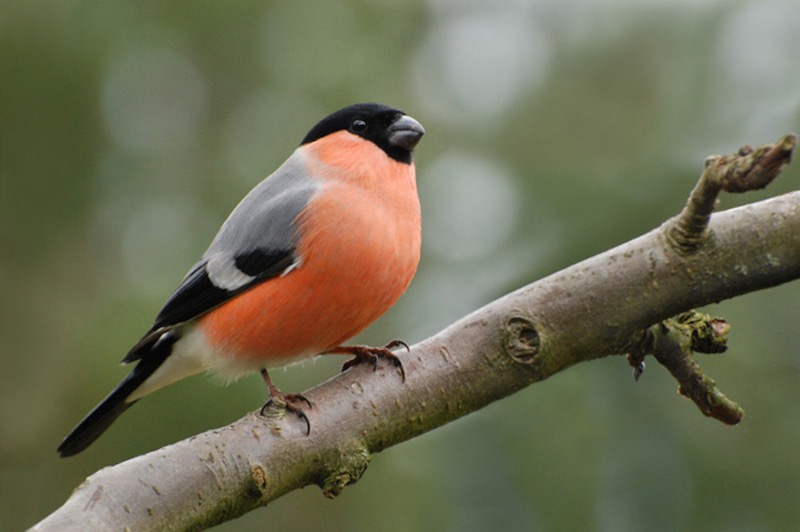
<point>359,249</point>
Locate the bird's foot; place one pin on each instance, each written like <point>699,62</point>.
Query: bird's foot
<point>365,354</point>
<point>287,401</point>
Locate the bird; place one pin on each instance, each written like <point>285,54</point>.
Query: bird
<point>309,258</point>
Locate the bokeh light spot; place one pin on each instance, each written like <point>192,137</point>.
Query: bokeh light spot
<point>470,206</point>
<point>154,99</point>
<point>478,63</point>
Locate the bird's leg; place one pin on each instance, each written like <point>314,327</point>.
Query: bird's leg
<point>286,400</point>
<point>370,355</point>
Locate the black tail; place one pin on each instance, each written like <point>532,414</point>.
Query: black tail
<point>110,408</point>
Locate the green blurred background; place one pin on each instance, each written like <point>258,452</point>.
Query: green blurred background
<point>556,130</point>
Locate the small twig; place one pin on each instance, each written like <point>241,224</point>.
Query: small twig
<point>672,342</point>
<point>748,169</point>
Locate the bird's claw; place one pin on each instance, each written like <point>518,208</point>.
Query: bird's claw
<point>288,401</point>
<point>370,355</point>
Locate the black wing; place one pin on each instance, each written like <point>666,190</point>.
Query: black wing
<point>198,294</point>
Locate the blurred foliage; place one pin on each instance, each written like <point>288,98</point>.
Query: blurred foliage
<point>556,130</point>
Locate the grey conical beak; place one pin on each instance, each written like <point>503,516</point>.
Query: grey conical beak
<point>405,132</point>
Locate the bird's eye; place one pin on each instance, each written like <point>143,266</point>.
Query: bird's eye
<point>358,126</point>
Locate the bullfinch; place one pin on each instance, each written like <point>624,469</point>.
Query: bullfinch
<point>308,259</point>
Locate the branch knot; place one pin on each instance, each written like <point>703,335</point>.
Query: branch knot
<point>521,339</point>
<point>350,466</point>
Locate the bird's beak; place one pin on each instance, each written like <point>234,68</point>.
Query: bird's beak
<point>405,132</point>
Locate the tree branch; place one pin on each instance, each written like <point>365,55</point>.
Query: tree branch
<point>614,303</point>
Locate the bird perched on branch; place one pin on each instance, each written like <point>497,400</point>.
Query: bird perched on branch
<point>308,259</point>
